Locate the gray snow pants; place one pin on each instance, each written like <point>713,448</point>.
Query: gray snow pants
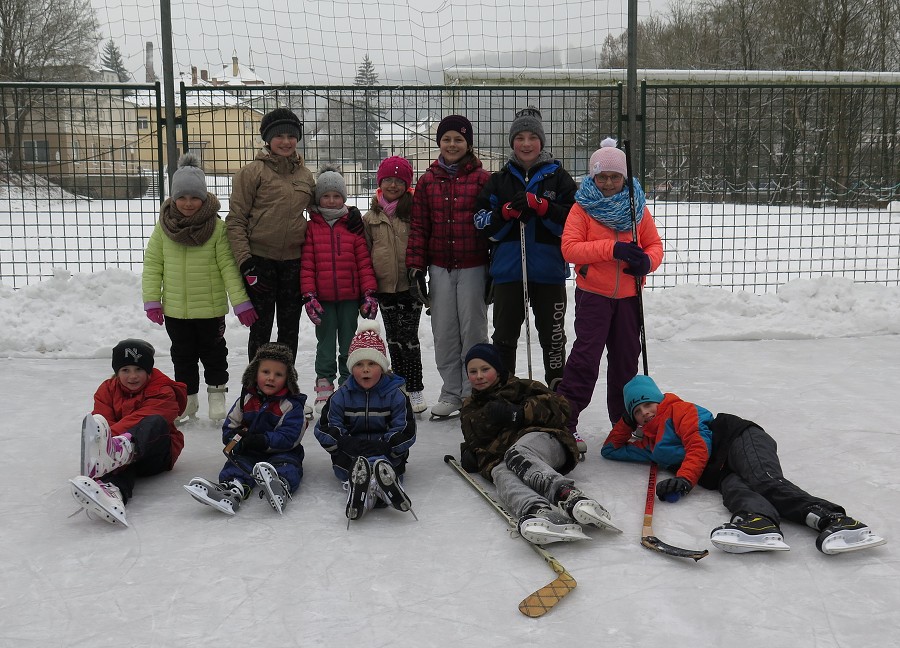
<point>527,475</point>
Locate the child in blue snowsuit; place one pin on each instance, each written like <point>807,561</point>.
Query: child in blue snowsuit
<point>262,435</point>
<point>368,427</point>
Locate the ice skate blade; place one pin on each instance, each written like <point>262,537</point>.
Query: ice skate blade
<point>438,417</point>
<point>545,533</point>
<point>846,541</point>
<point>737,542</point>
<point>85,495</point>
<point>200,494</point>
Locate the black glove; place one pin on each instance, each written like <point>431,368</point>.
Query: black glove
<point>417,286</point>
<point>505,414</point>
<point>254,443</point>
<point>252,279</point>
<point>354,221</point>
<point>519,202</point>
<point>671,490</point>
<point>468,460</point>
<point>634,255</point>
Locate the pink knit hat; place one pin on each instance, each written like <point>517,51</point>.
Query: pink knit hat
<point>608,159</point>
<point>368,345</point>
<point>395,167</point>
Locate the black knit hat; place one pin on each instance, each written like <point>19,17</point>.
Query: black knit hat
<point>133,352</point>
<point>280,121</point>
<point>272,351</point>
<point>488,353</point>
<point>456,123</point>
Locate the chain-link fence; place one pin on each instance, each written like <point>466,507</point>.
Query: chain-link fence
<point>750,185</point>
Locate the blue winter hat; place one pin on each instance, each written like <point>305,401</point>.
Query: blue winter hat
<point>640,389</point>
<point>488,353</point>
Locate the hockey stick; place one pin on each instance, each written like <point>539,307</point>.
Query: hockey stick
<point>634,235</point>
<point>543,600</point>
<point>525,296</point>
<point>651,541</point>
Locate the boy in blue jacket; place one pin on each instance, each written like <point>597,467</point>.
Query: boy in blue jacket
<point>368,427</point>
<point>737,458</point>
<point>262,435</point>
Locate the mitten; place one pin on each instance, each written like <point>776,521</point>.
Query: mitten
<point>537,204</point>
<point>154,312</point>
<point>354,221</point>
<point>505,414</point>
<point>369,306</point>
<point>417,286</point>
<point>252,279</point>
<point>254,443</point>
<point>671,490</point>
<point>246,313</point>
<point>508,212</point>
<point>314,309</point>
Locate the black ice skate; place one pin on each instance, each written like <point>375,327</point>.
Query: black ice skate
<point>748,532</point>
<point>390,486</point>
<point>842,533</point>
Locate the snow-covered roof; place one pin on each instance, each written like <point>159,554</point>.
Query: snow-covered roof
<point>220,98</point>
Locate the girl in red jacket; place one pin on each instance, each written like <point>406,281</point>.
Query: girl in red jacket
<point>336,278</point>
<point>130,433</point>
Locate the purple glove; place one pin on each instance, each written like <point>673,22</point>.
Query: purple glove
<point>314,309</point>
<point>634,255</point>
<point>369,306</point>
<point>154,312</point>
<point>246,313</point>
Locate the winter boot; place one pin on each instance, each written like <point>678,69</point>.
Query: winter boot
<point>225,497</point>
<point>748,532</point>
<point>216,395</point>
<point>324,389</point>
<point>272,486</point>
<point>390,486</point>
<point>360,477</point>
<point>584,510</point>
<point>839,533</point>
<point>542,525</point>
<point>190,409</point>
<point>444,410</point>
<point>417,400</point>
<point>101,501</point>
<point>115,451</point>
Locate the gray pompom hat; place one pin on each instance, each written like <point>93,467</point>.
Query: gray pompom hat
<point>189,179</point>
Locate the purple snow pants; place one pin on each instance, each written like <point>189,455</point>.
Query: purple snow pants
<point>601,322</point>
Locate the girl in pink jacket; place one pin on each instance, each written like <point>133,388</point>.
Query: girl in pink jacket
<point>598,240</point>
<point>336,279</point>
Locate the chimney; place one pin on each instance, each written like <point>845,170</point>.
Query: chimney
<point>193,75</point>
<point>234,66</point>
<point>148,64</point>
<point>204,74</point>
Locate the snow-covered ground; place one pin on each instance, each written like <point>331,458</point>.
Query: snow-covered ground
<point>815,364</point>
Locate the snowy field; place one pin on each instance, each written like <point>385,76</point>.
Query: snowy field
<point>815,364</point>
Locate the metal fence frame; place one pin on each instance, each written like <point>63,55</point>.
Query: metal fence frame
<point>707,158</point>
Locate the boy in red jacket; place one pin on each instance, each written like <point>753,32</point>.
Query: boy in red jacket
<point>731,455</point>
<point>130,433</point>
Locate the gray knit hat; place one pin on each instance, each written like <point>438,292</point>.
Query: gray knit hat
<point>328,179</point>
<point>272,351</point>
<point>527,119</point>
<point>189,179</point>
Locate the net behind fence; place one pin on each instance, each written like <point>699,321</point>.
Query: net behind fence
<point>751,186</point>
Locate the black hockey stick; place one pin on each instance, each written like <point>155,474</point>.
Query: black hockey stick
<point>651,541</point>
<point>634,235</point>
<point>543,600</point>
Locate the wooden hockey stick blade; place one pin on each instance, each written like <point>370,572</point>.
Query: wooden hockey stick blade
<point>538,603</point>
<point>543,600</point>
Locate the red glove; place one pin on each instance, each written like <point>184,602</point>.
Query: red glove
<point>538,204</point>
<point>509,213</point>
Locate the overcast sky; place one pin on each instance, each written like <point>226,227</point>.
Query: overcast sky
<point>324,41</point>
